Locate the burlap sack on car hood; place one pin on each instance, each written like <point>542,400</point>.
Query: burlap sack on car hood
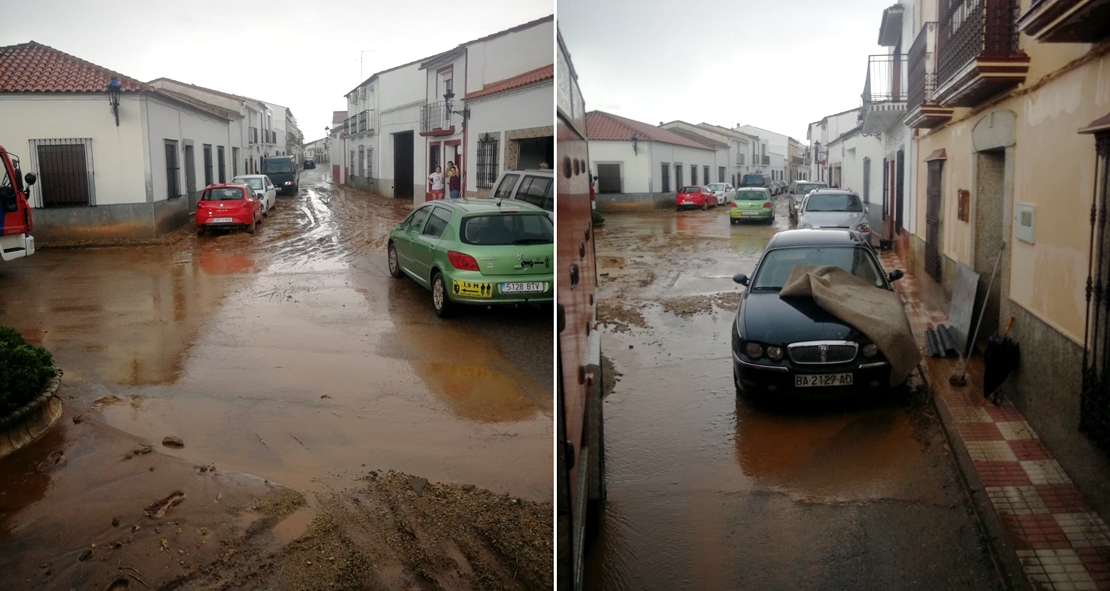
<point>877,313</point>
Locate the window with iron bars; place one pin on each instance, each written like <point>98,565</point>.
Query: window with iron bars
<point>487,160</point>
<point>207,164</point>
<point>222,165</point>
<point>65,172</point>
<point>1094,405</point>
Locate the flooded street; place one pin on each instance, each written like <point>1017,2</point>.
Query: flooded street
<point>706,491</point>
<point>289,356</point>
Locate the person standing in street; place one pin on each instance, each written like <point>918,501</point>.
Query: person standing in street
<point>454,183</point>
<point>436,180</point>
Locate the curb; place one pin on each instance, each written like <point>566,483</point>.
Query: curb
<point>30,421</point>
<point>1009,567</point>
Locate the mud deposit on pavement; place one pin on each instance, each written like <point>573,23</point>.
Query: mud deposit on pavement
<point>707,490</point>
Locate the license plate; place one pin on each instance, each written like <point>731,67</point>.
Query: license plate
<point>830,379</point>
<point>526,287</point>
<point>749,213</point>
<point>220,220</point>
<point>472,289</point>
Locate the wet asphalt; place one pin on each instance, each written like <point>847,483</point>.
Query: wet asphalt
<point>706,491</point>
<point>291,354</point>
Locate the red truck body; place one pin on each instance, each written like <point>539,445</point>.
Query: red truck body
<point>15,210</point>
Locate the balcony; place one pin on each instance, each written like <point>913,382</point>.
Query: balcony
<point>884,93</point>
<point>977,51</point>
<point>1067,21</point>
<point>766,160</point>
<point>923,111</point>
<point>366,121</point>
<point>435,120</point>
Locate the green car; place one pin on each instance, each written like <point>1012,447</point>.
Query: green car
<point>752,203</point>
<point>476,251</point>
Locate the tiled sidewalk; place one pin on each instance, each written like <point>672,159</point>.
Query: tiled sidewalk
<point>1061,543</point>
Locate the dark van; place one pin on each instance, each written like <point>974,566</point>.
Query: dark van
<point>755,179</point>
<point>282,172</point>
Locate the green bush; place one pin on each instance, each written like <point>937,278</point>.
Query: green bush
<point>24,370</point>
<point>598,218</point>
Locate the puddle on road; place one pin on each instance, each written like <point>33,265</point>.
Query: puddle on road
<point>28,475</point>
<point>294,526</point>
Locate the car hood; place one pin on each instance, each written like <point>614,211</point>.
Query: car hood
<point>769,319</point>
<point>833,218</point>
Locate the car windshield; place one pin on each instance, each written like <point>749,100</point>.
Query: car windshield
<point>751,196</point>
<point>716,187</point>
<point>802,189</point>
<point>277,166</point>
<point>753,179</point>
<point>778,264</point>
<point>833,202</point>
<point>222,195</point>
<point>505,229</point>
<point>690,190</point>
<point>255,183</point>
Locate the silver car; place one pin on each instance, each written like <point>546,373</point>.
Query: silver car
<point>798,190</point>
<point>724,192</point>
<point>834,209</point>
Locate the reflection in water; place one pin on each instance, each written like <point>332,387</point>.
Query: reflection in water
<point>476,392</point>
<point>827,455</point>
<point>28,476</point>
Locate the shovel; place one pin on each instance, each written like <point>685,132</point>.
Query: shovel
<point>1001,358</point>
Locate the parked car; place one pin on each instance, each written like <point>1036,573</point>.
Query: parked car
<point>228,206</point>
<point>752,203</point>
<point>531,186</point>
<point>722,191</point>
<point>283,173</point>
<point>482,252</point>
<point>694,196</point>
<point>774,339</point>
<point>309,164</point>
<point>263,189</point>
<point>755,179</point>
<point>834,209</point>
<point>797,191</point>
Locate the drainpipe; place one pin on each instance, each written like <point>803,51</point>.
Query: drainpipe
<point>466,146</point>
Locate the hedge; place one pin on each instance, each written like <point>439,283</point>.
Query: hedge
<point>24,370</point>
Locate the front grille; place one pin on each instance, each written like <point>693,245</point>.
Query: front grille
<point>822,352</point>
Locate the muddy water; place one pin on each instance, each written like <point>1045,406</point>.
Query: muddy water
<point>708,492</point>
<point>291,354</point>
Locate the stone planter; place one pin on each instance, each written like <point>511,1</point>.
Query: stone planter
<point>30,421</point>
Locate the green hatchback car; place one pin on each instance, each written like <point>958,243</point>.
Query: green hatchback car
<point>752,203</point>
<point>476,251</point>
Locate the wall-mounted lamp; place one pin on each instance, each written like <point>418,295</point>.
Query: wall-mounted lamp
<point>447,97</point>
<point>113,97</point>
<point>635,142</point>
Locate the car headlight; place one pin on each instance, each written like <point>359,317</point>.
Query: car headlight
<point>864,227</point>
<point>870,350</point>
<point>754,350</point>
<point>807,226</point>
<point>774,353</point>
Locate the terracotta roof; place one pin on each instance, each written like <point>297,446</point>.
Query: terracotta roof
<point>538,75</point>
<point>33,67</point>
<point>338,116</point>
<point>606,126</point>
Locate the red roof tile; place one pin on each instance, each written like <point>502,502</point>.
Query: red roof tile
<point>538,75</point>
<point>606,126</point>
<point>33,67</point>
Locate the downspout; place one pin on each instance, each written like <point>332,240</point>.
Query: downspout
<point>466,120</point>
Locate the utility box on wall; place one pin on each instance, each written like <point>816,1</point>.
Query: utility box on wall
<point>1024,218</point>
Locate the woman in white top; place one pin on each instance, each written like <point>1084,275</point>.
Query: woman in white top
<point>436,179</point>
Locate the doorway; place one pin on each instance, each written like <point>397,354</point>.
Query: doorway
<point>932,219</point>
<point>402,164</point>
<point>535,151</point>
<point>990,176</point>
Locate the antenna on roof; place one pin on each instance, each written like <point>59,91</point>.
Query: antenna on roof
<point>499,200</point>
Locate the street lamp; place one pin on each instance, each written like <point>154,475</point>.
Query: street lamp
<point>113,97</point>
<point>447,97</point>
<point>635,142</point>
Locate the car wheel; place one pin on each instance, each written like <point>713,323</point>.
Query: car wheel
<point>731,222</point>
<point>265,211</point>
<point>394,264</point>
<point>251,227</point>
<point>440,299</point>
<point>704,205</point>
<point>200,230</point>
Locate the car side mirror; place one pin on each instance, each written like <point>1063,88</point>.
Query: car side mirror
<point>895,275</point>
<point>399,226</point>
<point>30,178</point>
<point>740,278</point>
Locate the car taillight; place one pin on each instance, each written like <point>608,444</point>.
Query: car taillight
<point>733,205</point>
<point>462,262</point>
<point>767,205</point>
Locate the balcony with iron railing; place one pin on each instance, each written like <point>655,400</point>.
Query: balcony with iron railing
<point>765,160</point>
<point>922,108</point>
<point>366,121</point>
<point>977,51</point>
<point>435,120</point>
<point>884,93</point>
<point>1067,21</point>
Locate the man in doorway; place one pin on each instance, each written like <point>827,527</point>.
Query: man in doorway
<point>453,180</point>
<point>436,181</point>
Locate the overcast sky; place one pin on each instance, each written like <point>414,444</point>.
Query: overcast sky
<point>776,64</point>
<point>303,55</point>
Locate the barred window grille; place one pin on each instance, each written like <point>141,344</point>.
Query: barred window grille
<point>207,164</point>
<point>487,160</point>
<point>172,168</point>
<point>65,171</point>
<point>222,164</point>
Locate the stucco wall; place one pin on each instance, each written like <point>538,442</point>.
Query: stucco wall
<point>636,170</point>
<point>499,113</point>
<point>673,154</point>
<point>509,55</point>
<point>117,152</point>
<point>168,122</point>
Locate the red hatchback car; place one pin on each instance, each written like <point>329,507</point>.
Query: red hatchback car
<point>694,196</point>
<point>223,206</point>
